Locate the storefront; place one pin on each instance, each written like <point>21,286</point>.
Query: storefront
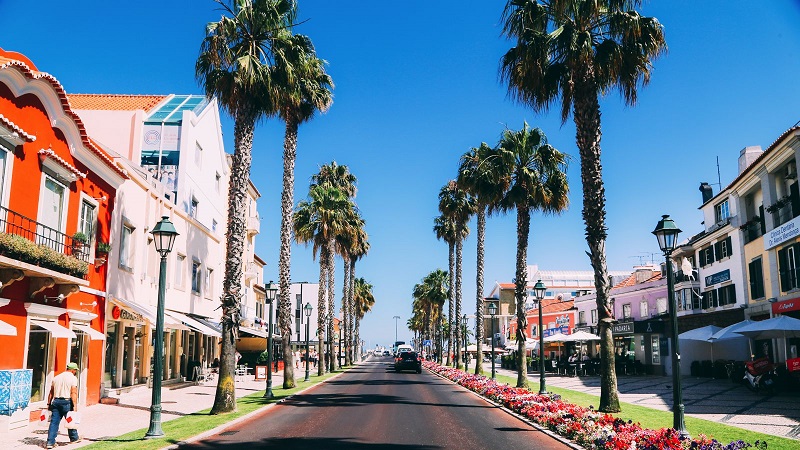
<point>640,346</point>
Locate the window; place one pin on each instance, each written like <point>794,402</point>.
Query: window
<point>788,267</point>
<point>51,214</point>
<point>214,225</point>
<point>594,317</point>
<point>643,313</point>
<point>582,317</point>
<point>196,276</point>
<point>756,279</point>
<point>180,268</point>
<point>533,331</point>
<point>721,212</point>
<point>626,311</point>
<point>198,154</point>
<point>726,295</point>
<point>707,256</point>
<point>723,248</point>
<point>86,221</point>
<point>661,305</point>
<point>193,208</point>
<point>209,282</point>
<point>126,247</point>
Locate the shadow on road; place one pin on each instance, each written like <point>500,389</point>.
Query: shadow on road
<point>298,443</point>
<point>325,400</point>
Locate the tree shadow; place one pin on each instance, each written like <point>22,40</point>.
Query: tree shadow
<point>305,443</point>
<point>339,400</point>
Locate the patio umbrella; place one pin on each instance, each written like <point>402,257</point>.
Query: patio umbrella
<point>780,327</point>
<point>581,337</point>
<point>557,338</point>
<point>702,334</point>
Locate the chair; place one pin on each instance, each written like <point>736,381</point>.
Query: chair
<point>241,372</point>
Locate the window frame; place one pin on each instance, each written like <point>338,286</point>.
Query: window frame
<point>196,283</point>
<point>722,211</point>
<point>126,246</point>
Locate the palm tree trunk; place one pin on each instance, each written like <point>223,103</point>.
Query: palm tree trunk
<point>451,298</point>
<point>225,397</point>
<point>457,318</point>
<point>587,124</point>
<point>331,289</point>
<point>284,260</point>
<point>353,314</point>
<point>321,302</point>
<point>520,288</point>
<point>343,347</point>
<point>479,292</point>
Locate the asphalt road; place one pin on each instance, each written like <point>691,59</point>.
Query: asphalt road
<point>372,407</point>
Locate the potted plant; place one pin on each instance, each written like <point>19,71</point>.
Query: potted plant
<point>101,252</point>
<point>78,241</point>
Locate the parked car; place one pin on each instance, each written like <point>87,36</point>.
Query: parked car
<point>387,353</point>
<point>408,361</point>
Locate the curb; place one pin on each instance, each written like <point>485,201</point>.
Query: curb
<point>544,430</point>
<point>238,420</point>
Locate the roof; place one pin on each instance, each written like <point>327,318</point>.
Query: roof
<point>114,102</point>
<point>171,111</point>
<point>631,281</point>
<point>552,305</point>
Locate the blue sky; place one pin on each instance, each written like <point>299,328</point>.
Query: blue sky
<point>417,86</point>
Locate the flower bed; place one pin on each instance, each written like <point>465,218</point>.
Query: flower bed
<point>589,428</point>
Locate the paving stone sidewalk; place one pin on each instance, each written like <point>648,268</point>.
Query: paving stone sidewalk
<point>100,421</point>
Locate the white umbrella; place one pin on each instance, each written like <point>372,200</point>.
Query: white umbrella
<point>558,337</point>
<point>702,334</point>
<point>774,328</point>
<point>581,336</point>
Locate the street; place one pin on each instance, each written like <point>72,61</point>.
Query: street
<point>371,406</point>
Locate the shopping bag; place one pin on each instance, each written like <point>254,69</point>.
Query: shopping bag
<point>73,419</point>
<point>44,418</point>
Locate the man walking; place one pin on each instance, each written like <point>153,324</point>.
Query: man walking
<point>62,399</point>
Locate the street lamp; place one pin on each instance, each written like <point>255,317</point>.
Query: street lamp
<point>307,309</point>
<point>492,311</point>
<point>464,327</point>
<point>538,290</point>
<point>340,349</point>
<point>272,292</point>
<point>396,318</point>
<point>164,234</point>
<point>667,234</point>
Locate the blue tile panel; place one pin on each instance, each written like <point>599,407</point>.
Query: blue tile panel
<point>15,390</point>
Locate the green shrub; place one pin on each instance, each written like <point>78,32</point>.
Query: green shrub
<point>103,247</point>
<point>19,248</point>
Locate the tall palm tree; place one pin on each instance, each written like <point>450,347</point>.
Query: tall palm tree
<point>445,230</point>
<point>318,220</point>
<point>338,176</point>
<point>480,177</point>
<point>459,207</point>
<point>346,244</point>
<point>364,300</point>
<point>235,65</point>
<point>577,50</point>
<point>301,89</point>
<point>538,182</point>
<point>436,290</point>
<point>359,248</point>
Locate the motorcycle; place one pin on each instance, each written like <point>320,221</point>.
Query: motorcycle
<point>759,376</point>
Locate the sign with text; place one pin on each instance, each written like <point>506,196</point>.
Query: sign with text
<point>622,328</point>
<point>261,372</point>
<point>786,306</point>
<point>783,233</point>
<point>793,364</point>
<point>551,331</point>
<point>719,277</point>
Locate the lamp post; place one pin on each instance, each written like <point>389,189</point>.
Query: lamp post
<point>340,350</point>
<point>492,311</point>
<point>272,292</point>
<point>539,290</point>
<point>396,318</point>
<point>164,234</point>
<point>307,309</point>
<point>667,234</point>
<point>464,328</point>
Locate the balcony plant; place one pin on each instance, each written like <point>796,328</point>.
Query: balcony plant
<point>780,203</point>
<point>79,238</point>
<point>752,222</point>
<point>103,248</point>
<point>21,249</point>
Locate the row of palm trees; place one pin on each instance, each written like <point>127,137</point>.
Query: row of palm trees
<point>575,51</point>
<point>331,222</point>
<point>427,318</point>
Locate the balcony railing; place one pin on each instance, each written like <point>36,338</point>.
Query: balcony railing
<point>14,223</point>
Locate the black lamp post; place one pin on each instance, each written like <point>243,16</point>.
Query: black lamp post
<point>492,311</point>
<point>396,318</point>
<point>307,309</point>
<point>538,290</point>
<point>164,234</point>
<point>464,327</point>
<point>272,292</point>
<point>667,233</point>
<point>340,350</point>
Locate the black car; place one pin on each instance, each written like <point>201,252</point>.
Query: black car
<point>408,361</point>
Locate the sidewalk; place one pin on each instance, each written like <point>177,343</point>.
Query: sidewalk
<point>132,413</point>
<point>716,400</point>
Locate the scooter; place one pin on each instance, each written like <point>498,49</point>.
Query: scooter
<point>759,376</point>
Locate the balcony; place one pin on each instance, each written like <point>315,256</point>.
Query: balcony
<point>752,229</point>
<point>47,256</point>
<point>251,271</point>
<point>253,225</point>
<point>784,209</point>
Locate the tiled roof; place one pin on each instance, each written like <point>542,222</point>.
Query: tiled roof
<point>16,129</point>
<point>552,305</point>
<point>631,281</point>
<point>108,102</point>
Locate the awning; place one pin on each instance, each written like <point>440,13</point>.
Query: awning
<point>253,331</point>
<point>54,328</point>
<point>192,323</point>
<point>149,313</point>
<point>6,329</point>
<point>93,334</point>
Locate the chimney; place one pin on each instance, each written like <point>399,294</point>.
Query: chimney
<point>747,155</point>
<point>705,188</point>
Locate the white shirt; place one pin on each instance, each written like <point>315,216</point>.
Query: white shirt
<point>63,384</point>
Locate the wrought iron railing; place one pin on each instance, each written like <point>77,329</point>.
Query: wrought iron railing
<point>12,222</point>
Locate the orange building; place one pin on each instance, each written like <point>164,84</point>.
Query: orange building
<point>57,190</point>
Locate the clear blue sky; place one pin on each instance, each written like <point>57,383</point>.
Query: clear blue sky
<point>416,86</point>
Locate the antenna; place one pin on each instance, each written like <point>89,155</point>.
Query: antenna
<point>641,259</point>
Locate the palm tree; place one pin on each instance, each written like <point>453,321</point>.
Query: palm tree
<point>358,249</point>
<point>301,88</point>
<point>235,66</point>
<point>319,220</point>
<point>576,50</point>
<point>445,230</point>
<point>458,206</point>
<point>364,300</point>
<point>537,182</point>
<point>346,245</point>
<point>338,176</point>
<point>436,290</point>
<point>479,176</point>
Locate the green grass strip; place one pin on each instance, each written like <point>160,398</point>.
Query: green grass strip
<point>656,419</point>
<point>182,428</point>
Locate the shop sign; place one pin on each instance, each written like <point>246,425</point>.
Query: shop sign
<point>783,233</point>
<point>622,328</point>
<point>123,314</point>
<point>793,364</point>
<point>551,331</point>
<point>719,277</point>
<point>562,320</point>
<point>786,306</point>
<point>649,326</point>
